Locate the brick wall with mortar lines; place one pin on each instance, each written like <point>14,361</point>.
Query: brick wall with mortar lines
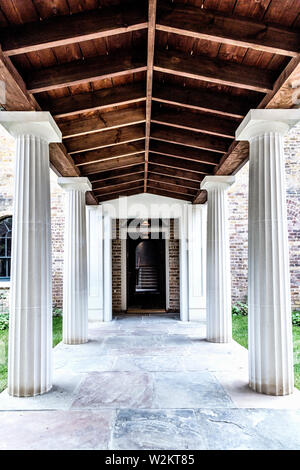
<point>7,152</point>
<point>173,270</point>
<point>238,222</point>
<point>174,274</point>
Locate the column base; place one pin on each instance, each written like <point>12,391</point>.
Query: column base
<point>75,341</point>
<point>218,340</point>
<point>271,389</point>
<point>28,394</point>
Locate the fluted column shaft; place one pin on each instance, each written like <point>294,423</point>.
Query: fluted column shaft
<point>270,327</point>
<point>75,291</point>
<point>270,330</point>
<point>30,329</point>
<point>219,323</point>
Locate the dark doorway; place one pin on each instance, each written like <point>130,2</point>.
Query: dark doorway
<point>146,278</point>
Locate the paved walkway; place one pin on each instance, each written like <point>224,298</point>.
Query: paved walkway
<point>150,382</point>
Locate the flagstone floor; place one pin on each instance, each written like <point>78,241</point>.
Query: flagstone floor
<point>150,382</point>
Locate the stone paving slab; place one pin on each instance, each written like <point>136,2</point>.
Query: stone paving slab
<point>150,382</point>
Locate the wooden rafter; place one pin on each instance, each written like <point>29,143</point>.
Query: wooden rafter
<point>214,70</point>
<point>129,178</point>
<point>96,100</point>
<point>105,138</point>
<point>125,192</point>
<point>64,30</point>
<point>180,163</point>
<point>190,139</point>
<point>280,97</point>
<point>17,98</point>
<point>102,122</point>
<point>171,179</point>
<point>203,100</point>
<point>172,194</point>
<point>194,22</point>
<point>116,173</point>
<point>182,151</point>
<point>89,70</point>
<point>196,122</point>
<point>181,173</point>
<point>149,86</point>
<point>110,152</point>
<point>116,163</point>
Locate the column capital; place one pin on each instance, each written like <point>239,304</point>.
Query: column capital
<point>76,183</point>
<point>214,181</point>
<point>261,121</point>
<point>36,123</point>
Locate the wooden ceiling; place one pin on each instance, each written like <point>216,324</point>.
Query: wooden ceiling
<point>148,94</point>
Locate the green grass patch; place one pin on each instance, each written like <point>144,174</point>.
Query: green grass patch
<point>57,337</point>
<point>240,335</point>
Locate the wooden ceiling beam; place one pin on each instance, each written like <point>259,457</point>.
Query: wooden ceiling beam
<point>189,138</point>
<point>204,100</point>
<point>180,163</point>
<point>182,151</point>
<point>149,85</point>
<point>17,98</point>
<point>88,70</point>
<point>195,22</point>
<point>102,122</point>
<point>110,152</point>
<point>281,97</point>
<point>105,138</point>
<point>132,177</point>
<point>123,193</point>
<point>116,173</point>
<point>96,101</point>
<point>196,122</point>
<point>170,187</point>
<point>139,180</point>
<point>173,180</point>
<point>64,30</point>
<point>176,172</point>
<point>171,194</point>
<point>123,162</point>
<point>214,71</point>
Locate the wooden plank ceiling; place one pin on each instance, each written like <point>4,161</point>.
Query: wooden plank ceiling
<point>148,94</point>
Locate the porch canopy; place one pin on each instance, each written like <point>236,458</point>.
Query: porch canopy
<point>160,97</point>
<point>148,95</point>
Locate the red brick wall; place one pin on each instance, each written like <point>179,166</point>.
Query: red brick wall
<point>174,275</point>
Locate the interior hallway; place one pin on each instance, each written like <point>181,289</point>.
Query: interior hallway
<point>150,382</point>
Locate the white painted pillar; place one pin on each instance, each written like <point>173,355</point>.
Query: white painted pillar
<point>270,328</point>
<point>197,223</point>
<point>75,292</point>
<point>95,262</point>
<point>183,265</point>
<point>107,259</point>
<point>219,322</point>
<point>30,331</point>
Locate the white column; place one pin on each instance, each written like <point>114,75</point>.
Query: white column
<point>183,265</point>
<point>270,329</point>
<point>95,262</point>
<point>219,323</point>
<point>107,259</point>
<point>30,331</point>
<point>197,261</point>
<point>75,293</point>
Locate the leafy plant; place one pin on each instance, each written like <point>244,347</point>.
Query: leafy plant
<point>239,308</point>
<point>57,312</point>
<point>296,317</point>
<point>4,321</point>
